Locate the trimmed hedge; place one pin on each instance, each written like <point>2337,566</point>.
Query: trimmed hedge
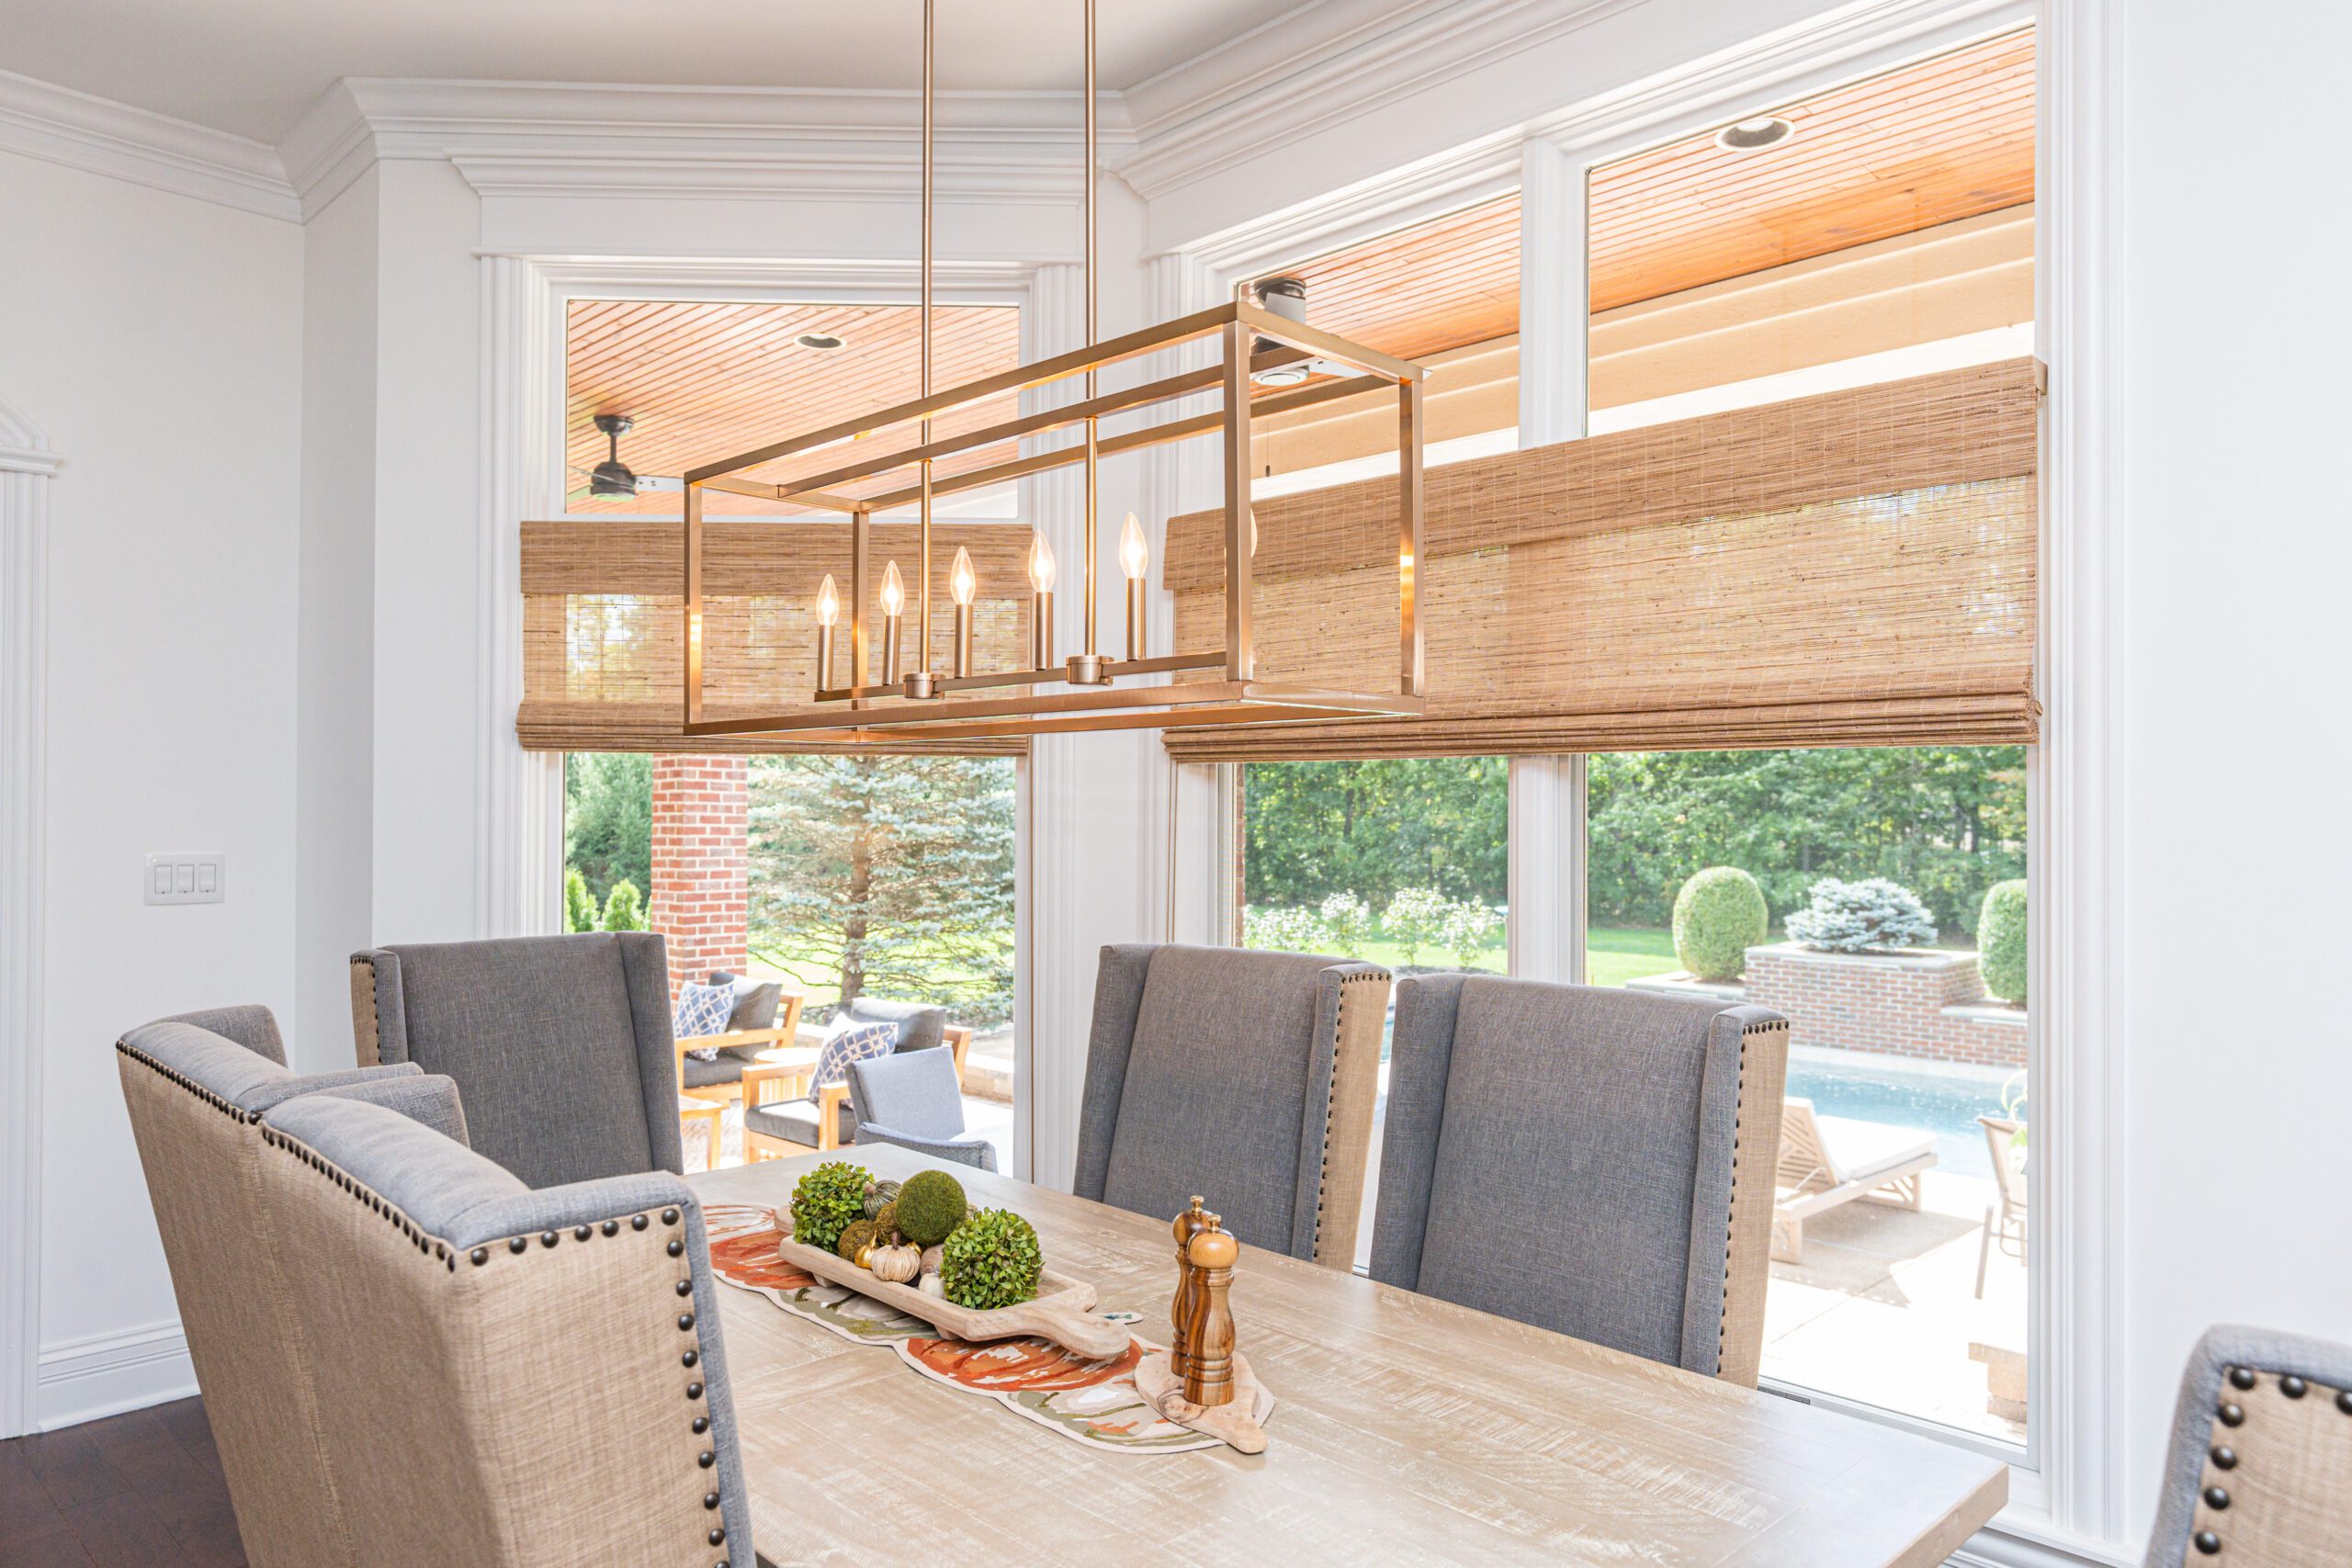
<point>1718,916</point>
<point>2000,940</point>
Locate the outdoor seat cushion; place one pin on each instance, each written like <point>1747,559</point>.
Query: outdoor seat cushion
<point>724,1068</point>
<point>921,1026</point>
<point>1858,1150</point>
<point>796,1122</point>
<point>757,1002</point>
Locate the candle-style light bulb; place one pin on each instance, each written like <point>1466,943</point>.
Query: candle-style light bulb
<point>1135,553</point>
<point>828,613</point>
<point>894,601</point>
<point>962,582</point>
<point>1041,603</point>
<point>1135,559</point>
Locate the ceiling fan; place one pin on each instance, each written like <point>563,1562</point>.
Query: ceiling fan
<point>613,477</point>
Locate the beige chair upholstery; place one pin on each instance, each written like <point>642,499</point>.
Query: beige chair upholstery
<point>2259,1475</point>
<point>506,1377</point>
<point>197,1087</point>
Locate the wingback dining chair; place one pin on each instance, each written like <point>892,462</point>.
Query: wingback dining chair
<point>2259,1470</point>
<point>559,1045</point>
<point>196,1087</point>
<point>1634,1133</point>
<point>1246,1077</point>
<point>507,1378</point>
<point>911,1098</point>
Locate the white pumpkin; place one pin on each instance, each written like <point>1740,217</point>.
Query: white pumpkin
<point>932,1287</point>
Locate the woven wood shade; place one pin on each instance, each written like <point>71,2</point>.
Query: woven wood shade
<point>601,626</point>
<point>1855,569</point>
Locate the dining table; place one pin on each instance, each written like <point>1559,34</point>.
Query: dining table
<point>1405,1429</point>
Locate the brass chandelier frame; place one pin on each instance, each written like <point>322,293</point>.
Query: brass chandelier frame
<point>1089,691</point>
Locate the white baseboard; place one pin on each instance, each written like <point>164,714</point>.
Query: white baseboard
<point>105,1374</point>
<point>1996,1547</point>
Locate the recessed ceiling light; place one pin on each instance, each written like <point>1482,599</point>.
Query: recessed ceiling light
<point>817,340</point>
<point>1754,135</point>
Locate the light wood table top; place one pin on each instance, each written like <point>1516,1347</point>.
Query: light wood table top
<point>1407,1430</point>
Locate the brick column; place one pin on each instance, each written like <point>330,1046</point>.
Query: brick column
<point>701,864</point>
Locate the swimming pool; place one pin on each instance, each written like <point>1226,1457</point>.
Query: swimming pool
<point>1945,1105</point>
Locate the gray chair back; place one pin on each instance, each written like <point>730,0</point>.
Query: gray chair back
<point>505,1376</point>
<point>921,1025</point>
<point>1615,1127</point>
<point>911,1098</point>
<point>1246,1077</point>
<point>196,1087</point>
<point>2259,1472</point>
<point>559,1045</point>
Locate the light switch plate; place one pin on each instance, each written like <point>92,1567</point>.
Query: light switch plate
<point>186,878</point>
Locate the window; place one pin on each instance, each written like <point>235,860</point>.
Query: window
<point>1907,1055</point>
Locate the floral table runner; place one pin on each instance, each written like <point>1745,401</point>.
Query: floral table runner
<point>1091,1401</point>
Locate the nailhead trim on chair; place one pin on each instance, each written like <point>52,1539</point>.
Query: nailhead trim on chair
<point>1339,1032</point>
<point>1738,1110</point>
<point>434,1247</point>
<point>194,1088</point>
<point>2223,1458</point>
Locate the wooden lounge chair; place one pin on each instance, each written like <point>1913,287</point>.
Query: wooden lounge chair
<point>1830,1160</point>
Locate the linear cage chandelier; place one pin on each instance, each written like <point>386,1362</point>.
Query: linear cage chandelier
<point>882,703</point>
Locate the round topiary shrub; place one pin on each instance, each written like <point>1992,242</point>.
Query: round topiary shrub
<point>825,1200</point>
<point>2000,940</point>
<point>990,1260</point>
<point>930,1205</point>
<point>1718,916</point>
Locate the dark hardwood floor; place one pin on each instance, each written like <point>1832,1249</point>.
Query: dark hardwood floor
<point>144,1488</point>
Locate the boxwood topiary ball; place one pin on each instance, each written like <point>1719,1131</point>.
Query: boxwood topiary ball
<point>991,1260</point>
<point>2000,940</point>
<point>930,1205</point>
<point>1718,916</point>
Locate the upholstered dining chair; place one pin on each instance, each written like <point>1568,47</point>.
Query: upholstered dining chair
<point>2259,1471</point>
<point>507,1378</point>
<point>1246,1077</point>
<point>911,1098</point>
<point>559,1045</point>
<point>1634,1134</point>
<point>196,1087</point>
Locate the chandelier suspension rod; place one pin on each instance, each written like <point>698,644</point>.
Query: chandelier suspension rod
<point>930,48</point>
<point>1093,335</point>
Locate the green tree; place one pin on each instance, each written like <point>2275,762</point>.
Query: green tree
<point>1945,821</point>
<point>625,907</point>
<point>608,819</point>
<point>1314,829</point>
<point>892,875</point>
<point>579,904</point>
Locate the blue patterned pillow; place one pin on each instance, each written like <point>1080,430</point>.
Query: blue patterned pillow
<point>851,1043</point>
<point>701,1009</point>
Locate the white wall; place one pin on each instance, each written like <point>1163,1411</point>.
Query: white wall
<point>158,340</point>
<point>2238,546</point>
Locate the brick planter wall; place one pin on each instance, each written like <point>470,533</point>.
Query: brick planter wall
<point>701,864</point>
<point>1931,1004</point>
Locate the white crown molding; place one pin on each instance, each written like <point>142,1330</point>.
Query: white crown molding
<point>99,136</point>
<point>1328,64</point>
<point>532,138</point>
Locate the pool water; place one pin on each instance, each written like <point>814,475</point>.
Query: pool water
<point>1943,1104</point>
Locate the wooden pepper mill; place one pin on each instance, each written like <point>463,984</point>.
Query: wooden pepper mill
<point>1185,1305</point>
<point>1208,1365</point>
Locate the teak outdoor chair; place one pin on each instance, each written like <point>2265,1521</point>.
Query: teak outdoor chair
<point>2005,1216</point>
<point>1827,1161</point>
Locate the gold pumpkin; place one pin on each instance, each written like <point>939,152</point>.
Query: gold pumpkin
<point>896,1264</point>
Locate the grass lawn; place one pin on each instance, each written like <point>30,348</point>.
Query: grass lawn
<point>1614,955</point>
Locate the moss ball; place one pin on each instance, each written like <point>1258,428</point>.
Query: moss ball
<point>930,1205</point>
<point>855,1235</point>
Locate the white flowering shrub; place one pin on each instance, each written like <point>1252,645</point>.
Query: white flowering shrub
<point>1414,920</point>
<point>1876,916</point>
<point>1347,922</point>
<point>1283,931</point>
<point>1467,930</point>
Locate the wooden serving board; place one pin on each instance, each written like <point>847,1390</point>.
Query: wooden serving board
<point>1061,1310</point>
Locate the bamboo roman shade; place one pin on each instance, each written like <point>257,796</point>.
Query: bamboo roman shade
<point>602,631</point>
<point>1855,569</point>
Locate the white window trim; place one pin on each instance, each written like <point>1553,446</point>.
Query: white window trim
<point>2067,1501</point>
<point>519,794</point>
